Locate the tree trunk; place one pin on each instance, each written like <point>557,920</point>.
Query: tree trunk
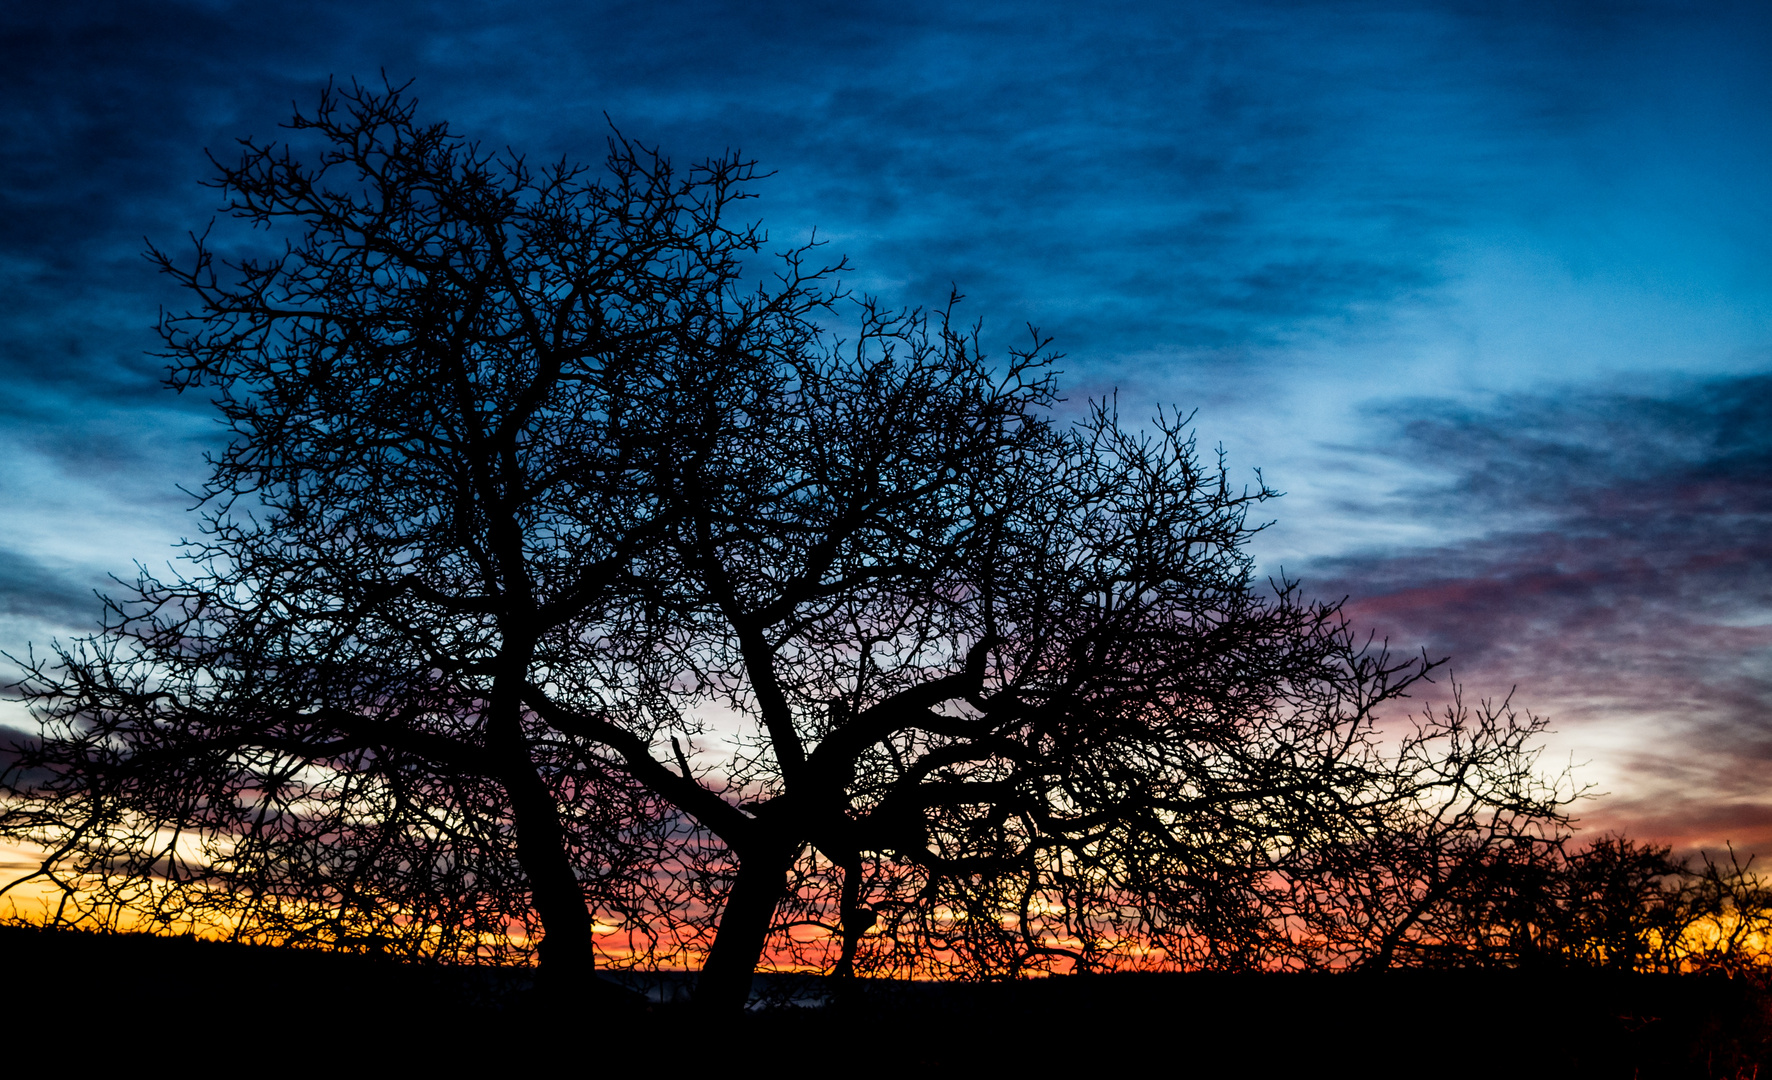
<point>725,981</point>
<point>566,945</point>
<point>566,952</point>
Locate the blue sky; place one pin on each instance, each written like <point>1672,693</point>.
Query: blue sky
<point>1485,287</point>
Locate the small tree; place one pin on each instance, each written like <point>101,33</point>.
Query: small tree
<point>1619,905</point>
<point>528,491</point>
<point>1432,876</point>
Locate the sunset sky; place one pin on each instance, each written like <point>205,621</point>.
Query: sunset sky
<point>1486,288</point>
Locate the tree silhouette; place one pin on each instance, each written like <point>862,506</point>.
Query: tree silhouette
<point>1616,905</point>
<point>1426,878</point>
<point>557,569</point>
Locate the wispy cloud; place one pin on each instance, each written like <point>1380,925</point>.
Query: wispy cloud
<point>1620,574</point>
<point>34,588</point>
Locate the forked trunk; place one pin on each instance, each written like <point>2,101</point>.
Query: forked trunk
<point>857,920</point>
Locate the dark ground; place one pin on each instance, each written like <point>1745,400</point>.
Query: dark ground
<point>76,1003</point>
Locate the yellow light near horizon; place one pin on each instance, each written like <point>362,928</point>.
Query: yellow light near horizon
<point>39,900</point>
<point>1725,940</point>
<point>30,901</point>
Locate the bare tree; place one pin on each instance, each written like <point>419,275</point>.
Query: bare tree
<point>1425,876</point>
<point>438,395</point>
<point>557,569</point>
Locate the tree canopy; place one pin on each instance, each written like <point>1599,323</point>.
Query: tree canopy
<point>567,579</point>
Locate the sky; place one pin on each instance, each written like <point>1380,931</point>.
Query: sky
<point>1485,288</point>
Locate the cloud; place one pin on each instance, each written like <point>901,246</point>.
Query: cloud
<point>35,589</point>
<point>1141,176</point>
<point>1618,570</point>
